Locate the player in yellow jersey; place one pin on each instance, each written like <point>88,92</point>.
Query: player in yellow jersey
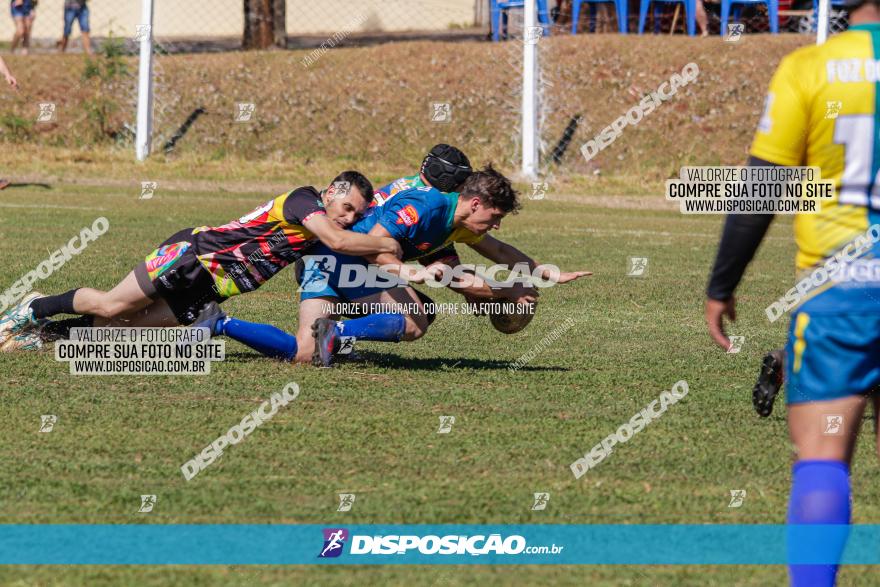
<point>822,110</point>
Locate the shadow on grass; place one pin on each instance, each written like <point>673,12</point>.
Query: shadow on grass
<point>368,358</point>
<point>45,186</point>
<point>438,363</point>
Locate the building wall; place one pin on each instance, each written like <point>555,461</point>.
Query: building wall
<point>221,18</point>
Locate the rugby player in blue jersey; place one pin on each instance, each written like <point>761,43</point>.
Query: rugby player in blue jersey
<point>423,220</point>
<point>446,168</point>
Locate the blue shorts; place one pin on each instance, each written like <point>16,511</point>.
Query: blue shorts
<point>831,356</point>
<point>22,11</point>
<point>329,274</point>
<point>71,14</point>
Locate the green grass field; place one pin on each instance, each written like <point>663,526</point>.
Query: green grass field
<point>370,428</point>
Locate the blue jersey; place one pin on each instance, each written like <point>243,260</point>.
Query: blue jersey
<point>420,219</point>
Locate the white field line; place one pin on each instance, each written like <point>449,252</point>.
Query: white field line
<point>619,232</point>
<point>53,206</point>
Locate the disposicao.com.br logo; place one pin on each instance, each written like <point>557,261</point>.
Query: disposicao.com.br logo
<point>334,541</point>
<point>477,545</point>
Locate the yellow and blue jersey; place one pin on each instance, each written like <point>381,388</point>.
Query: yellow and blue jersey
<point>420,219</point>
<point>822,110</point>
<point>445,255</point>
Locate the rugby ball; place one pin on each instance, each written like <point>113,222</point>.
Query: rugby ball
<point>509,317</point>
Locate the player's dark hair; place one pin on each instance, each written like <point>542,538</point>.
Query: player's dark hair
<point>493,189</point>
<point>358,180</point>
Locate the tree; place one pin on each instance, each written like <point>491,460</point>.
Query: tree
<point>264,24</point>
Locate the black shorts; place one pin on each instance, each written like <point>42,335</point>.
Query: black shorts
<point>174,273</point>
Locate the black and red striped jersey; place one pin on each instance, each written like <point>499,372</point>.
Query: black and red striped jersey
<point>241,255</point>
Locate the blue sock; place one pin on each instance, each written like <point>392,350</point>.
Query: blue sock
<point>820,494</point>
<point>381,327</point>
<point>264,338</point>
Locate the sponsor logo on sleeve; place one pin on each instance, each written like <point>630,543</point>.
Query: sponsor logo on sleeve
<point>407,215</point>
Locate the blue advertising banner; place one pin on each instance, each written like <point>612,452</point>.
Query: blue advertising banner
<point>227,544</point>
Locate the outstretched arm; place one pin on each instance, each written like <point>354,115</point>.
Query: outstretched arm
<point>473,287</point>
<point>349,242</point>
<point>501,252</point>
<point>742,235</point>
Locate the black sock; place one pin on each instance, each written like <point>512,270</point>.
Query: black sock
<point>51,305</point>
<point>61,328</point>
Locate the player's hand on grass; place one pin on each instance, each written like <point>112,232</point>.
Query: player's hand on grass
<point>715,312</point>
<point>11,81</point>
<point>552,273</point>
<point>567,276</point>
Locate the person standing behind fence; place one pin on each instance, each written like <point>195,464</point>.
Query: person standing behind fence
<point>76,10</point>
<point>23,13</point>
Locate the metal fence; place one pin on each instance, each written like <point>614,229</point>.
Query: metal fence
<point>251,104</point>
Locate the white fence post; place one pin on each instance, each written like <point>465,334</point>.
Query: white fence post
<point>530,92</point>
<point>145,82</point>
<point>822,21</point>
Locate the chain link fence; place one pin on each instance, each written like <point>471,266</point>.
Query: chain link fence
<point>309,94</point>
<point>289,105</point>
